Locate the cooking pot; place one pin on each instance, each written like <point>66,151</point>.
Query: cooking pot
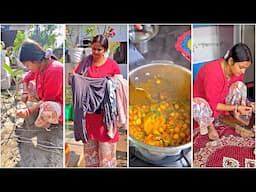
<point>178,87</point>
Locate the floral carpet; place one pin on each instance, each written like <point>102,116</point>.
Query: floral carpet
<point>229,151</point>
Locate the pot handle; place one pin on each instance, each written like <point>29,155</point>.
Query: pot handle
<point>162,61</point>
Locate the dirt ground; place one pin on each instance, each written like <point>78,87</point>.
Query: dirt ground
<point>76,149</point>
<point>23,144</point>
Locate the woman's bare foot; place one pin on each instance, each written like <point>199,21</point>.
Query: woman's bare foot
<point>212,133</point>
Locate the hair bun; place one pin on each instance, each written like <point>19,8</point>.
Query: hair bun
<point>48,53</point>
<point>226,55</point>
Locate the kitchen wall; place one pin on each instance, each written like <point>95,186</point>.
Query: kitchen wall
<point>212,41</point>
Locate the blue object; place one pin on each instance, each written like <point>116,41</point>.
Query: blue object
<point>251,99</point>
<point>196,67</point>
<point>201,25</point>
<point>184,44</point>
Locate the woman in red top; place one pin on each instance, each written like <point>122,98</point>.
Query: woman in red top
<point>219,89</point>
<point>100,150</point>
<point>43,84</point>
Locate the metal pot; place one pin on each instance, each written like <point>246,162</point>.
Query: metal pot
<point>179,86</point>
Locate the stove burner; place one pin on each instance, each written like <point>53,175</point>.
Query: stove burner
<point>181,160</point>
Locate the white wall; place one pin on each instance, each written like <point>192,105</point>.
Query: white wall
<point>206,43</point>
<point>211,42</point>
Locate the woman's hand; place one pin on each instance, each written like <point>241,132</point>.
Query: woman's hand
<point>244,110</point>
<point>252,104</point>
<point>69,77</point>
<point>23,113</point>
<point>24,97</point>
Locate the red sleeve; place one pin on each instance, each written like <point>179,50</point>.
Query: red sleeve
<point>52,86</point>
<point>76,68</point>
<point>29,77</point>
<point>240,78</point>
<point>78,65</point>
<point>213,87</point>
<point>116,69</point>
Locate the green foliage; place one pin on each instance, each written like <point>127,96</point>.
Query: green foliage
<point>90,30</point>
<point>61,59</point>
<point>2,45</point>
<point>15,75</point>
<point>45,35</point>
<point>113,46</point>
<point>13,51</point>
<point>68,95</point>
<point>20,37</point>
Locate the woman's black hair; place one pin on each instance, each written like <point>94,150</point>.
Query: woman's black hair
<point>32,51</point>
<point>102,40</point>
<point>239,52</point>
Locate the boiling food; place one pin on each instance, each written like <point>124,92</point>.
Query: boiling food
<point>164,122</point>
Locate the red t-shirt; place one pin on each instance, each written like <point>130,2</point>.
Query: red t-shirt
<point>49,83</point>
<point>96,128</point>
<point>211,84</point>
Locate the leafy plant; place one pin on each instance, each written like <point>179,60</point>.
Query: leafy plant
<point>13,51</point>
<point>61,59</point>
<point>72,36</point>
<point>113,46</point>
<point>45,35</point>
<point>20,37</point>
<point>90,30</point>
<point>2,45</point>
<point>109,32</point>
<point>15,76</point>
<point>68,95</point>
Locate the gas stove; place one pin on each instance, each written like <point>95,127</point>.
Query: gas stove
<point>181,160</point>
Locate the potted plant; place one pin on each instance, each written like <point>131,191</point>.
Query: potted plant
<point>72,42</point>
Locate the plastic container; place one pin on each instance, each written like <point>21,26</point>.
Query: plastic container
<point>69,112</point>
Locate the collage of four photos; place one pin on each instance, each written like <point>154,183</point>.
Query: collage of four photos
<point>127,96</point>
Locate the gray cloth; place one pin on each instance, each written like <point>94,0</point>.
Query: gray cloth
<point>89,94</point>
<point>112,86</point>
<point>84,66</point>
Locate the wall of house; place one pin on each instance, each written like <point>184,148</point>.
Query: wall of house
<point>212,41</point>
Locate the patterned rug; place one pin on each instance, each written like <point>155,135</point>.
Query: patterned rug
<point>230,150</point>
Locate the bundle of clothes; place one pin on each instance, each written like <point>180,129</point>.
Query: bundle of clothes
<point>106,95</point>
